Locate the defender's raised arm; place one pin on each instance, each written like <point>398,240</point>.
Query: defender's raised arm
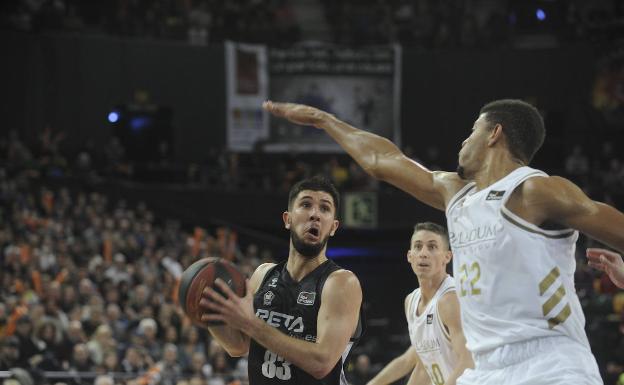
<point>378,156</point>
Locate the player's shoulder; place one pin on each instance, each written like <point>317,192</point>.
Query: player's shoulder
<point>546,183</point>
<point>263,268</point>
<point>448,183</point>
<point>547,189</point>
<point>258,275</point>
<point>343,277</point>
<point>448,303</point>
<point>408,299</point>
<point>342,283</point>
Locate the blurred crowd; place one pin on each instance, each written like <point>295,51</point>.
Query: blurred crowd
<point>220,169</point>
<point>89,288</point>
<point>197,21</point>
<point>429,24</point>
<point>434,24</point>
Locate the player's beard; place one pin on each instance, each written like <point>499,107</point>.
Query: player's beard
<point>309,250</point>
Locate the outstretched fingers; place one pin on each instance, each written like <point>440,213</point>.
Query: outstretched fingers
<point>277,109</point>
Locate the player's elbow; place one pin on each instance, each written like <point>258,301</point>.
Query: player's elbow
<point>321,372</point>
<point>371,166</point>
<point>321,368</point>
<point>238,350</point>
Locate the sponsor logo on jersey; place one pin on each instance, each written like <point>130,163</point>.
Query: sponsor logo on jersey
<point>277,319</point>
<point>306,298</point>
<point>494,195</point>
<point>474,235</point>
<point>268,298</point>
<point>424,346</point>
<point>273,282</point>
<point>429,319</point>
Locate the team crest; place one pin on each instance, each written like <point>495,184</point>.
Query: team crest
<point>494,195</point>
<point>429,319</point>
<point>268,298</point>
<point>306,298</point>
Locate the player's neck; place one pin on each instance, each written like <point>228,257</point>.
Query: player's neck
<point>496,166</point>
<point>299,266</point>
<point>429,286</point>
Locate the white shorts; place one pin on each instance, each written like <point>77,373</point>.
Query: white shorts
<point>540,361</point>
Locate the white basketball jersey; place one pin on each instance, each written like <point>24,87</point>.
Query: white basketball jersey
<point>429,336</point>
<point>515,280</point>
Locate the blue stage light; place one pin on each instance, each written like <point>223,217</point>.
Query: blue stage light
<point>540,14</point>
<point>113,116</point>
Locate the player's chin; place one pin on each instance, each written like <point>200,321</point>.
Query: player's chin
<point>312,244</point>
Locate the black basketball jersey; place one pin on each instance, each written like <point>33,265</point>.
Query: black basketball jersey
<point>292,307</point>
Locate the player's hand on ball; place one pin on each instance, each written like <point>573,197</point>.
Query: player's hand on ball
<point>297,113</point>
<point>236,312</point>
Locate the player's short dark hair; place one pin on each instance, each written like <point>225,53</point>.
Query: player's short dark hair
<point>315,183</point>
<point>434,228</point>
<point>522,123</point>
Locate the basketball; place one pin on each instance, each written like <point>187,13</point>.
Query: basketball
<point>201,274</point>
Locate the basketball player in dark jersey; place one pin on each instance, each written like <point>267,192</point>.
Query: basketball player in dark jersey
<point>299,318</point>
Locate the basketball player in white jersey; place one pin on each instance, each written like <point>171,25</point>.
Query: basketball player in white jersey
<point>438,353</point>
<point>513,231</point>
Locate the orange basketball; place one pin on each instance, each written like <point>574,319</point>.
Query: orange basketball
<point>201,274</point>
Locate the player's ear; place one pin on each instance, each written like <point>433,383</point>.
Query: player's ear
<point>496,135</point>
<point>286,219</point>
<point>335,226</point>
<point>449,256</point>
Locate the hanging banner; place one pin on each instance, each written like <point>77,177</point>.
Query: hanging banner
<point>247,87</point>
<point>360,86</point>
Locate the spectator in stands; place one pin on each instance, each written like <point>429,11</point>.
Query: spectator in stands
<point>198,367</point>
<point>191,343</point>
<point>148,330</point>
<point>9,352</point>
<point>81,360</point>
<point>104,380</point>
<point>169,368</point>
<point>110,364</point>
<point>101,343</point>
<point>361,373</point>
<point>27,346</point>
<point>134,361</point>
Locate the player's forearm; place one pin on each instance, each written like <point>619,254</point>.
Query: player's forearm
<point>419,377</point>
<point>397,368</point>
<point>308,356</point>
<point>366,148</point>
<point>234,342</point>
<point>613,234</point>
<point>464,362</point>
